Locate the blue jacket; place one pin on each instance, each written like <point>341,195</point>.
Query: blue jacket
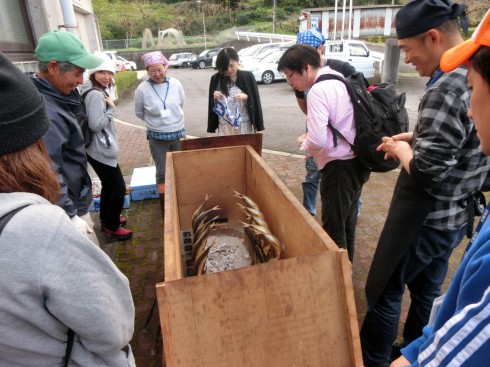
<point>66,148</point>
<point>460,333</point>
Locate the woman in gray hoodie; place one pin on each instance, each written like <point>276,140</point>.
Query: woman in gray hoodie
<point>62,298</point>
<point>103,151</point>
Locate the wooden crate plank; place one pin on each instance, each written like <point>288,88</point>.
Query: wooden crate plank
<point>214,172</point>
<point>284,313</point>
<point>254,140</point>
<point>290,221</point>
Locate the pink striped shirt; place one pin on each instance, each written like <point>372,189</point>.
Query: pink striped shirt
<point>328,100</point>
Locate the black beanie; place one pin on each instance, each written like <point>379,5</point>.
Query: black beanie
<point>419,16</point>
<point>23,117</point>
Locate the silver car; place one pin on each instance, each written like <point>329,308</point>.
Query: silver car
<point>265,70</point>
<point>181,60</point>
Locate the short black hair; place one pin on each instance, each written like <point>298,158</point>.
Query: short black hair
<point>297,57</point>
<point>481,62</point>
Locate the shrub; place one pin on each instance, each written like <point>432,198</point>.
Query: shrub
<point>124,80</point>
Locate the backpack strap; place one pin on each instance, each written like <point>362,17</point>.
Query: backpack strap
<point>71,334</point>
<point>335,132</point>
<point>6,218</point>
<point>84,95</point>
<point>69,346</point>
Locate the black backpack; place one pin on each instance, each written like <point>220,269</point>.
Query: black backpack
<point>82,118</point>
<point>378,112</point>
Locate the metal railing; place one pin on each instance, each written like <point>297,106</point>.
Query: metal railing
<point>260,37</point>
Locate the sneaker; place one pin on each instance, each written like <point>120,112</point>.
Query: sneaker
<point>119,233</point>
<point>122,221</point>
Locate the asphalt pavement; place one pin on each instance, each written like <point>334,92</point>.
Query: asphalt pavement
<point>141,258</point>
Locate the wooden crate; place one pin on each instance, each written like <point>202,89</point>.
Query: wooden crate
<point>298,311</point>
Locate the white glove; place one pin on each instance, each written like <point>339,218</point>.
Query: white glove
<point>81,225</point>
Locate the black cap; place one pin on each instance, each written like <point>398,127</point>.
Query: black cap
<point>23,117</point>
<point>419,16</point>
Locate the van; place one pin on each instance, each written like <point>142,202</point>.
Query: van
<point>354,52</point>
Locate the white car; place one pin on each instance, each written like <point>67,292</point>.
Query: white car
<point>118,65</point>
<point>253,51</point>
<point>265,70</point>
<point>354,52</point>
<point>128,65</point>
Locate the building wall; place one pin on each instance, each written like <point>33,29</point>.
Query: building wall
<point>47,15</point>
<point>375,20</point>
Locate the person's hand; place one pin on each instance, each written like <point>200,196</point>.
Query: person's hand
<point>109,101</point>
<point>81,225</point>
<point>403,137</point>
<point>400,362</point>
<point>241,97</point>
<point>217,95</point>
<point>300,139</point>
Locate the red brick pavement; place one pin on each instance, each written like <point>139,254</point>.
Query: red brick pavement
<point>141,258</point>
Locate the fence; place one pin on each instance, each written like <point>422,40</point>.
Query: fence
<point>260,37</point>
<point>198,40</point>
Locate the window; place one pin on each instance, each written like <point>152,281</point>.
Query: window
<point>15,31</point>
<point>358,50</point>
<point>336,47</point>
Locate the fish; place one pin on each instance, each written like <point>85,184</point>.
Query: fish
<point>200,262</point>
<point>275,244</point>
<point>257,229</point>
<point>200,242</point>
<point>250,203</point>
<point>199,210</point>
<point>252,211</point>
<point>202,217</point>
<point>203,225</point>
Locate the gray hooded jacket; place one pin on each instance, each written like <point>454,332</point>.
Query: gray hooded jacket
<point>53,278</point>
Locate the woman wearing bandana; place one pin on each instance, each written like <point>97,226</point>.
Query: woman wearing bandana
<point>159,102</point>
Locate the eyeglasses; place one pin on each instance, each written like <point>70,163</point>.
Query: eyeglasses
<point>155,71</point>
<point>288,77</point>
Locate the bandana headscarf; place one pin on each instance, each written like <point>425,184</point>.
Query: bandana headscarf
<point>155,57</point>
<point>312,37</point>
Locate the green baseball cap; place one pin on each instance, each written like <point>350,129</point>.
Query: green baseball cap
<point>65,46</point>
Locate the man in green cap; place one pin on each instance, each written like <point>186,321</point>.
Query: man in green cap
<point>62,62</point>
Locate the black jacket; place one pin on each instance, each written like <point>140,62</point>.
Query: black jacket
<point>66,148</point>
<point>246,82</point>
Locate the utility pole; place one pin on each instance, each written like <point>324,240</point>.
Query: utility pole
<point>203,23</point>
<point>274,16</point>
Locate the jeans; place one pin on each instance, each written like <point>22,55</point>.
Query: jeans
<point>340,190</point>
<point>423,269</point>
<point>311,184</point>
<point>159,149</point>
<point>112,193</point>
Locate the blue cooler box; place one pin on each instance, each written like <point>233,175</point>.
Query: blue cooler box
<point>143,184</point>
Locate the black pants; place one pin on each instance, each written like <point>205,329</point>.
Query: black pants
<point>340,190</point>
<point>112,193</point>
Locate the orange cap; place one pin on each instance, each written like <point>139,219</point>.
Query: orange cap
<point>458,55</point>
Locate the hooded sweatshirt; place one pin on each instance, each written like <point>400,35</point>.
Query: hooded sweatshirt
<point>53,278</point>
<point>104,147</point>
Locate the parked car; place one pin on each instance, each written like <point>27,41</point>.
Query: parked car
<point>265,70</point>
<point>128,65</point>
<point>118,65</point>
<point>204,59</point>
<point>181,60</point>
<point>253,51</point>
<point>354,52</point>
